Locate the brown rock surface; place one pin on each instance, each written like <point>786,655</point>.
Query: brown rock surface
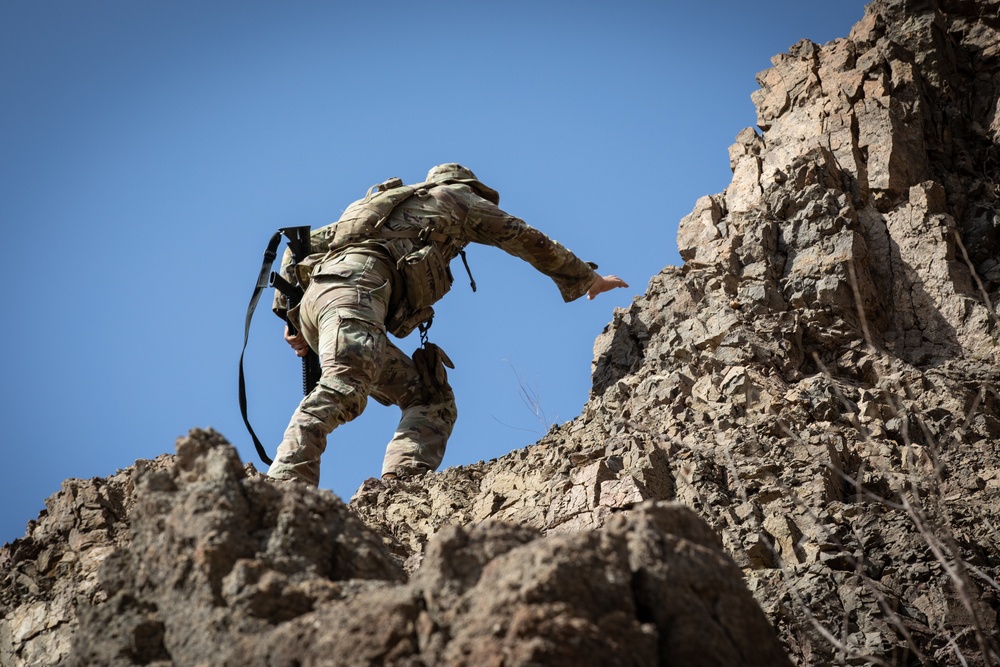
<point>797,431</point>
<point>197,561</point>
<point>820,379</point>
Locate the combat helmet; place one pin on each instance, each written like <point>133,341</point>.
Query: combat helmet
<point>452,172</point>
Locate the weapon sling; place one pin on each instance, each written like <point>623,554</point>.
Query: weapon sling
<point>298,242</point>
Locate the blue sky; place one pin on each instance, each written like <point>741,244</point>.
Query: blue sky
<point>149,149</point>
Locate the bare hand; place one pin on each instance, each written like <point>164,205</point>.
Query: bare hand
<point>297,342</point>
<point>604,284</point>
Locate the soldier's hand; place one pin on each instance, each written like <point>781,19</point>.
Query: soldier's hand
<point>604,284</point>
<point>297,342</point>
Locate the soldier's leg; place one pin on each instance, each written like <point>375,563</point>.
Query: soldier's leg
<point>341,319</point>
<point>429,414</point>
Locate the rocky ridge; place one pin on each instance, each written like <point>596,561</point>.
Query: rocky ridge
<point>792,445</point>
<point>194,559</point>
<point>820,379</point>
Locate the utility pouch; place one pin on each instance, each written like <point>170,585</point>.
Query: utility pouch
<point>404,320</point>
<point>426,275</point>
<point>304,269</point>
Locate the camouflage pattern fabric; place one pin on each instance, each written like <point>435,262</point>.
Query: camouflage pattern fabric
<point>429,414</point>
<point>341,317</point>
<point>351,290</point>
<point>454,209</point>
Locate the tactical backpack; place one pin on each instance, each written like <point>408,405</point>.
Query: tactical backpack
<point>417,252</point>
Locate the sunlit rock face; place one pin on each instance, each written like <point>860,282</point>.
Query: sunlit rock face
<point>791,453</point>
<point>194,559</point>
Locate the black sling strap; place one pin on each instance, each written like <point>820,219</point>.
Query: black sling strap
<point>298,242</point>
<point>262,281</point>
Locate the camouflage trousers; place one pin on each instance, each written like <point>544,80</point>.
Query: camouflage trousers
<point>342,317</point>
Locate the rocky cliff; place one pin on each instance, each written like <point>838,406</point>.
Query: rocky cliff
<point>791,452</point>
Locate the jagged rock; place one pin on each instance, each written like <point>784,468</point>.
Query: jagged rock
<point>820,383</point>
<point>218,565</point>
<point>820,379</point>
<point>185,553</point>
<point>651,588</point>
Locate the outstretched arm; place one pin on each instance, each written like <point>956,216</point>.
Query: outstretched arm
<point>486,223</point>
<point>604,284</point>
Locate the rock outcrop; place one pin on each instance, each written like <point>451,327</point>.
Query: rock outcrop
<point>792,445</point>
<point>820,379</point>
<point>195,560</point>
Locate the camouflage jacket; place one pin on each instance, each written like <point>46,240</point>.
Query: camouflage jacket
<point>456,211</point>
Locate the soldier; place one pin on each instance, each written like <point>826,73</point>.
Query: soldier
<point>380,268</point>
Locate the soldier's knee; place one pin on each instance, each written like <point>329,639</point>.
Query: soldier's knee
<point>342,400</point>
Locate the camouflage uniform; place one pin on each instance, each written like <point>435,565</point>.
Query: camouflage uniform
<point>351,291</point>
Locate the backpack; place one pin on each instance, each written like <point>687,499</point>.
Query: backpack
<point>416,251</point>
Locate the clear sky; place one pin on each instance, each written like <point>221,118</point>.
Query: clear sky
<point>149,149</point>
